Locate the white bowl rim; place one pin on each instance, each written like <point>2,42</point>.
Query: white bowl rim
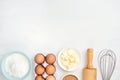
<point>71,74</point>
<point>60,64</point>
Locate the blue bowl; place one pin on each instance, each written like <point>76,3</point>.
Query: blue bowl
<point>6,74</point>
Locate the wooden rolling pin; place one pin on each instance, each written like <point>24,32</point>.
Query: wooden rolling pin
<point>89,73</point>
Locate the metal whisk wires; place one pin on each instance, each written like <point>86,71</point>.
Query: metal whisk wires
<point>107,62</point>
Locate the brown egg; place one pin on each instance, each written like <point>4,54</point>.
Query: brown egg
<point>50,69</point>
<point>50,77</point>
<point>39,58</point>
<point>39,78</point>
<point>50,58</point>
<point>39,69</point>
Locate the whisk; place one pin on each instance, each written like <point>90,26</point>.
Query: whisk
<point>107,62</point>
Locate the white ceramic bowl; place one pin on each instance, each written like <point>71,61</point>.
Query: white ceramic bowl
<point>72,75</point>
<point>64,67</point>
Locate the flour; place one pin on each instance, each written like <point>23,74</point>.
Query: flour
<point>17,65</point>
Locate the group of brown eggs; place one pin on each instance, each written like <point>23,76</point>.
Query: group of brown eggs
<point>40,69</point>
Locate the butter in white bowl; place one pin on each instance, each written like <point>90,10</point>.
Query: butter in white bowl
<point>69,59</point>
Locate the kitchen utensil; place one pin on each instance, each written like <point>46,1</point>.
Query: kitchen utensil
<point>107,62</point>
<point>89,73</point>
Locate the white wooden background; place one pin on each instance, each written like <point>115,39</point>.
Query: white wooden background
<point>33,26</point>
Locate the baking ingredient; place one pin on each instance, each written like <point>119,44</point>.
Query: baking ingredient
<point>50,58</point>
<point>17,65</point>
<point>50,77</point>
<point>50,69</point>
<point>107,62</point>
<point>69,58</point>
<point>39,78</point>
<point>39,58</point>
<point>89,73</point>
<point>39,69</point>
<point>70,77</point>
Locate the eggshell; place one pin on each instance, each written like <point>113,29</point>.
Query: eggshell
<point>50,77</point>
<point>39,58</point>
<point>39,78</point>
<point>50,69</point>
<point>39,69</point>
<point>50,58</point>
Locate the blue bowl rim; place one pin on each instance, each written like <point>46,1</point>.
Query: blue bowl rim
<point>3,68</point>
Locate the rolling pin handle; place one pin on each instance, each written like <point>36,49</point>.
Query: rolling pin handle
<point>90,57</point>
